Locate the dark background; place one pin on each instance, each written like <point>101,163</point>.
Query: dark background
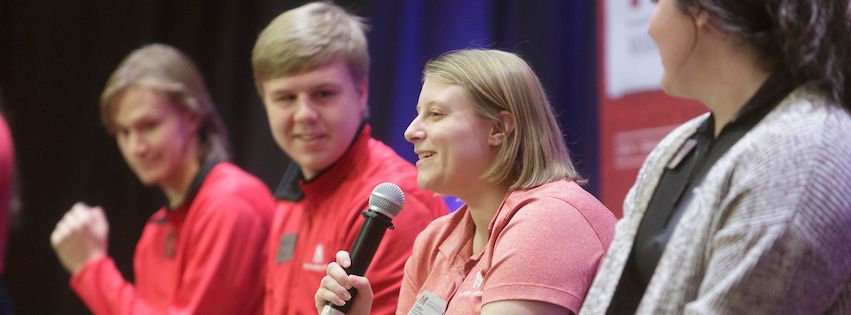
<point>55,57</point>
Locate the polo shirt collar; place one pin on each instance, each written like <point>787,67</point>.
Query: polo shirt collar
<point>459,244</point>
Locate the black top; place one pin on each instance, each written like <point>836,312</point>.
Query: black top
<point>673,193</point>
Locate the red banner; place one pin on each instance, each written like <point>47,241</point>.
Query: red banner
<point>634,113</point>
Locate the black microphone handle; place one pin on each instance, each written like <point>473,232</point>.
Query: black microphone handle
<point>366,244</point>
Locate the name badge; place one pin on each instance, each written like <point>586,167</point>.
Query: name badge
<point>286,246</point>
<point>428,304</point>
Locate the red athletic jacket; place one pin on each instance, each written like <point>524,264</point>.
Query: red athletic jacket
<point>205,257</point>
<point>318,218</point>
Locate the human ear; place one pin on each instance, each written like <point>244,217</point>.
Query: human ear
<point>502,127</point>
<point>362,90</point>
<point>702,20</point>
<point>192,120</point>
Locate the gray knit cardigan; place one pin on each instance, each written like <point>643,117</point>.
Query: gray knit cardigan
<point>768,230</point>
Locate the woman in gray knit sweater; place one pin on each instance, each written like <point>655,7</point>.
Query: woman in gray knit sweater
<point>746,209</point>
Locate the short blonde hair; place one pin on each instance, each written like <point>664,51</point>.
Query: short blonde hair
<point>165,69</point>
<point>534,152</point>
<point>310,36</point>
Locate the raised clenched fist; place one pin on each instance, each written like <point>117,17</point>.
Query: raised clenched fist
<point>81,236</point>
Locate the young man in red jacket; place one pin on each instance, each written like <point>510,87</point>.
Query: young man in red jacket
<point>311,67</point>
<point>203,252</point>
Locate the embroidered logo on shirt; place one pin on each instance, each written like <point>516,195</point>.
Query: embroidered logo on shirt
<point>428,304</point>
<point>318,263</point>
<point>476,290</point>
<point>318,254</point>
<point>477,284</point>
<point>286,247</point>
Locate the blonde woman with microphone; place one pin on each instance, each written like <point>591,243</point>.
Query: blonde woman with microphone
<point>528,239</point>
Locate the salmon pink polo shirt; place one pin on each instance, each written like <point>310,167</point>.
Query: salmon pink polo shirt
<point>544,244</point>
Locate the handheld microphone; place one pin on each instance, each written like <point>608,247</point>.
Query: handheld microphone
<point>385,203</point>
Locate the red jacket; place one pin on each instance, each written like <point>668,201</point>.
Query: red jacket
<point>205,257</point>
<point>318,218</point>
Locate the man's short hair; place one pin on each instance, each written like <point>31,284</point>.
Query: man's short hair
<point>310,36</point>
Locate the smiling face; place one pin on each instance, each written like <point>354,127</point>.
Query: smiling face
<point>157,141</point>
<point>314,115</point>
<point>453,143</point>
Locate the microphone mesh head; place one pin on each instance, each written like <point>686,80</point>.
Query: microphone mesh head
<point>388,199</point>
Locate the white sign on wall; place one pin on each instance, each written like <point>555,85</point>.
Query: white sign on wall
<point>632,61</point>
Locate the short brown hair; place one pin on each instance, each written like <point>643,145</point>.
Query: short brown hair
<point>534,152</point>
<point>308,37</point>
<point>166,70</point>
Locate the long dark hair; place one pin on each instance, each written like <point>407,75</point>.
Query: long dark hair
<point>808,40</point>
